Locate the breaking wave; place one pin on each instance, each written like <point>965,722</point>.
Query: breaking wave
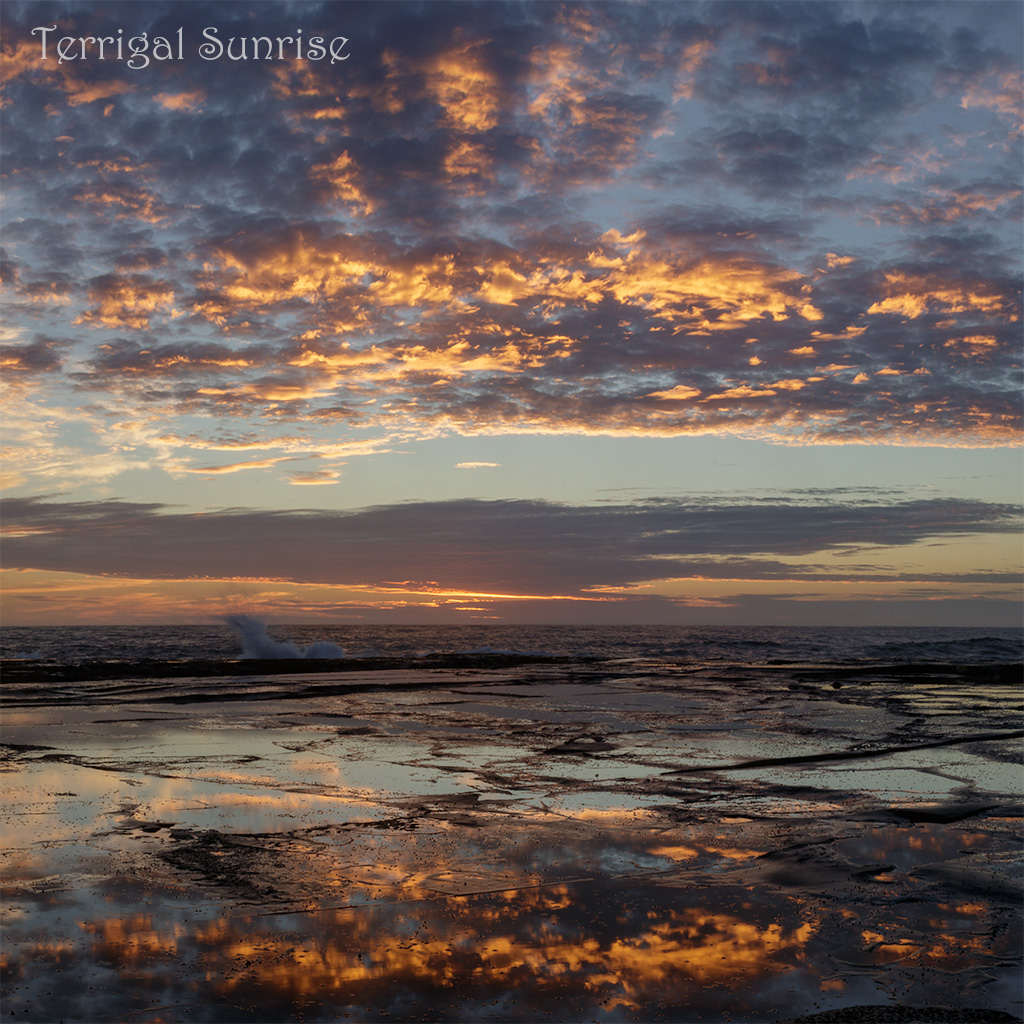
<point>257,642</point>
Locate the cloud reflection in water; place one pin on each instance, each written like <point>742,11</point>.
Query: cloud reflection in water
<point>684,931</point>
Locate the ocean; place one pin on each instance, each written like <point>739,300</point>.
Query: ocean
<point>247,637</point>
<point>243,659</point>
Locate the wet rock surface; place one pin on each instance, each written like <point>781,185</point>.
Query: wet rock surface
<point>907,1015</point>
<point>534,843</point>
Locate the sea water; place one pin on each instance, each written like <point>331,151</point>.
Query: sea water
<point>242,636</point>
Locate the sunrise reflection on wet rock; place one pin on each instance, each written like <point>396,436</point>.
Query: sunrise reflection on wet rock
<point>592,947</point>
<point>675,938</point>
<point>563,843</point>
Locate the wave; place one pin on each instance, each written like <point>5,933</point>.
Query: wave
<point>36,655</point>
<point>258,644</point>
<point>969,649</point>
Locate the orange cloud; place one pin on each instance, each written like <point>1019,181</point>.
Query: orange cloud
<point>127,302</point>
<point>189,101</point>
<point>238,467</point>
<point>23,59</point>
<point>1005,96</point>
<point>691,61</point>
<point>681,392</point>
<point>913,295</point>
<point>315,478</point>
<point>465,87</point>
<point>133,202</point>
<point>740,391</point>
<point>707,294</point>
<point>343,175</point>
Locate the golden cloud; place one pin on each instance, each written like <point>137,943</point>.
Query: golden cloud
<point>127,302</point>
<point>913,295</point>
<point>190,101</point>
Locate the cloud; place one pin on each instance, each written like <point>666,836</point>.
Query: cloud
<point>127,301</point>
<point>189,100</point>
<point>483,547</point>
<point>315,478</point>
<point>43,355</point>
<point>477,465</point>
<point>598,331</point>
<point>237,467</point>
<point>788,223</point>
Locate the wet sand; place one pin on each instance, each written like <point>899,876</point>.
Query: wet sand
<point>535,842</point>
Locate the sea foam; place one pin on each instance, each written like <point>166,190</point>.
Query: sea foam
<point>257,643</point>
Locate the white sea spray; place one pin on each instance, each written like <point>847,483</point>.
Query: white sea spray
<point>257,642</point>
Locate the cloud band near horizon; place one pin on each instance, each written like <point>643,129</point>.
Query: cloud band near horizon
<point>511,546</point>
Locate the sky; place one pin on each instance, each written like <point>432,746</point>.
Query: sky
<point>543,312</point>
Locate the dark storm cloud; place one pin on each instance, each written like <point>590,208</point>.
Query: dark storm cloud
<point>531,547</point>
<point>968,55</point>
